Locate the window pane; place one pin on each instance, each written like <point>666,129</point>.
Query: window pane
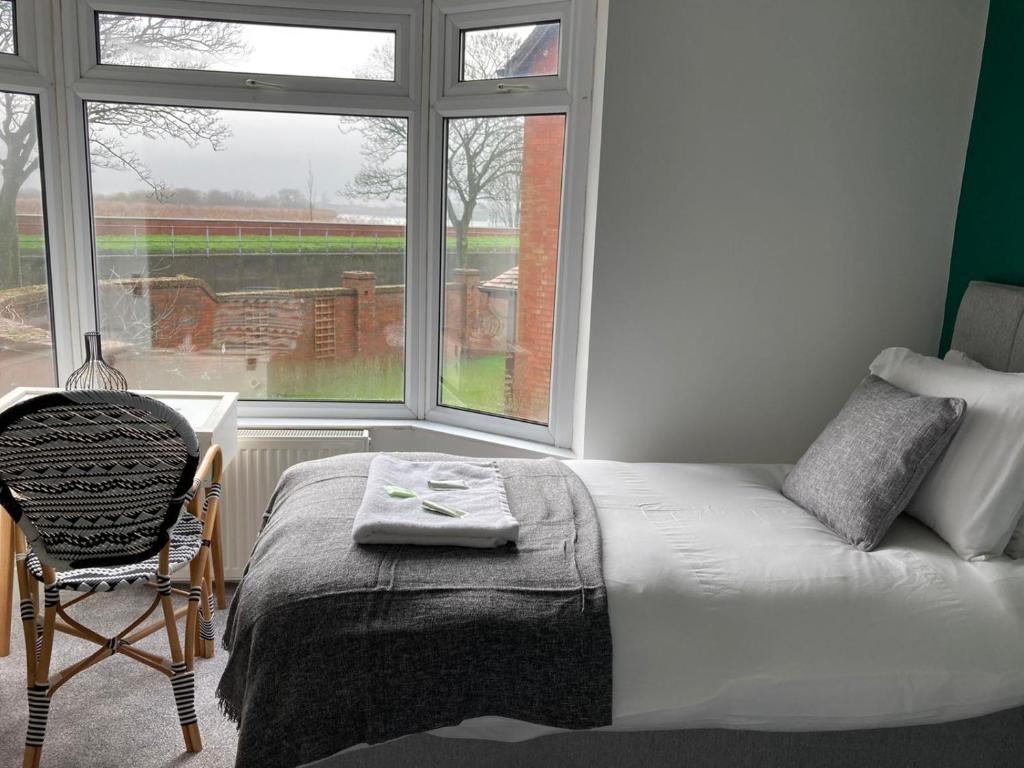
<point>530,50</point>
<point>504,190</point>
<point>7,40</point>
<point>221,46</point>
<point>26,347</point>
<point>256,252</point>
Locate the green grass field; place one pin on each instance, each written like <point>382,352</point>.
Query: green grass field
<point>119,245</point>
<point>370,381</point>
<point>478,384</point>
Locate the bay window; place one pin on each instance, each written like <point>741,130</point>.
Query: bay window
<point>339,213</point>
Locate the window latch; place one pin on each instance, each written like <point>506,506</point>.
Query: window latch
<point>251,82</point>
<point>512,87</point>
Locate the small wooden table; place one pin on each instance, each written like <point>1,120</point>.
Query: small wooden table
<point>213,416</point>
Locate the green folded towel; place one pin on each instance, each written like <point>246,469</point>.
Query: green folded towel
<point>397,492</point>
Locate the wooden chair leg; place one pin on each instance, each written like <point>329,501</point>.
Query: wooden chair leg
<point>33,756</point>
<point>217,552</point>
<point>182,675</point>
<point>206,645</point>
<point>39,690</point>
<point>6,580</point>
<point>29,609</point>
<point>182,682</point>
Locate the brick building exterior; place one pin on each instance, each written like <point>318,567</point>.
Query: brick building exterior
<point>543,151</point>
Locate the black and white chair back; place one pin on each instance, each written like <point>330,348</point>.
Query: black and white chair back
<point>103,487</point>
<point>95,478</point>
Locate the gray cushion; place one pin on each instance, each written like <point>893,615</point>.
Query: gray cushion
<point>863,469</point>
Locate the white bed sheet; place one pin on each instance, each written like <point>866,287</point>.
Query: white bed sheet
<point>732,607</point>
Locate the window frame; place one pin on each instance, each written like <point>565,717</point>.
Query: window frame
<point>30,72</point>
<point>58,65</point>
<point>200,88</point>
<point>27,24</point>
<point>512,15</point>
<point>577,39</point>
<point>285,13</point>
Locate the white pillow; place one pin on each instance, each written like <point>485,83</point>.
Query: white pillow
<point>974,495</point>
<point>1015,548</point>
<point>957,357</point>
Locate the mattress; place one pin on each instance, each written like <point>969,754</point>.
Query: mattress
<point>732,607</point>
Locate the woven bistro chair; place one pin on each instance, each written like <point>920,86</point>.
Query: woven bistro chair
<point>106,491</point>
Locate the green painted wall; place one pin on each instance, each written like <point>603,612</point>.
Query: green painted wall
<point>989,239</point>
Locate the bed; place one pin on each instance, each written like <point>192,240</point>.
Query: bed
<point>745,633</point>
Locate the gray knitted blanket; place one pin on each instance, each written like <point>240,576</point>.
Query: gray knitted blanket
<point>334,644</point>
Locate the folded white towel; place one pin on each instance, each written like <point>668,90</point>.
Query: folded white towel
<point>386,519</point>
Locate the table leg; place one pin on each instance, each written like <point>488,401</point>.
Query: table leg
<point>6,580</point>
<point>217,553</point>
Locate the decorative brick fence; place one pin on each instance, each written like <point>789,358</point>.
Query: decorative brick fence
<point>357,319</point>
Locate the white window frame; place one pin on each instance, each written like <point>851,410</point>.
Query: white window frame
<point>512,15</point>
<point>89,81</point>
<point>56,62</point>
<point>31,72</point>
<point>288,14</point>
<point>27,24</point>
<point>577,35</point>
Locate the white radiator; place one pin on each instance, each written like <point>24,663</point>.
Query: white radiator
<point>250,479</point>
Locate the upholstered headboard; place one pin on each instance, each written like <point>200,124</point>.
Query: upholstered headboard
<point>990,326</point>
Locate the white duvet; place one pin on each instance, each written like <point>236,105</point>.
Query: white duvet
<point>732,607</point>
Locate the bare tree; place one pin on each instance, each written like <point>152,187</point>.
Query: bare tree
<point>166,41</point>
<point>506,203</point>
<point>310,188</point>
<point>20,160</point>
<point>128,40</point>
<point>483,152</point>
<point>289,197</point>
<point>110,124</point>
<point>131,312</point>
<point>6,27</point>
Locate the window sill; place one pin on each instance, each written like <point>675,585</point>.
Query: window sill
<point>386,434</point>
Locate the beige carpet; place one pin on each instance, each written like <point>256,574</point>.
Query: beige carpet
<point>119,713</point>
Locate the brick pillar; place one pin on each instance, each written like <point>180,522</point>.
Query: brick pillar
<point>543,145</point>
<point>467,281</point>
<point>365,286</point>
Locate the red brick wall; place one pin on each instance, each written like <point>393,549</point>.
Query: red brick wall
<point>391,316</point>
<point>543,146</point>
<point>540,213</point>
<point>368,320</point>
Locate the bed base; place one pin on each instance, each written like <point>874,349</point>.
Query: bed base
<point>996,739</point>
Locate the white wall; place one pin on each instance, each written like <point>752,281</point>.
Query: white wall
<point>778,190</point>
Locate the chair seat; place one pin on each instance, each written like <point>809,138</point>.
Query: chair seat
<point>186,538</point>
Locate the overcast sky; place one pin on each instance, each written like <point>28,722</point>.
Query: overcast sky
<point>267,151</point>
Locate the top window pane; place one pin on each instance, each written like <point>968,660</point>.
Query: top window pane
<point>496,53</point>
<point>7,42</point>
<point>221,46</point>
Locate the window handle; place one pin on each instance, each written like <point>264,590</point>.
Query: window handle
<point>511,87</point>
<point>251,82</point>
